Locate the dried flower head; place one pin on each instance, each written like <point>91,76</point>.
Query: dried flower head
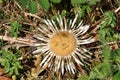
<point>62,44</point>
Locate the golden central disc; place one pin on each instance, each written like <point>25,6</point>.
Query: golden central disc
<point>62,43</point>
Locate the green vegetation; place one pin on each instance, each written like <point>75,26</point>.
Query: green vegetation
<point>14,20</point>
<point>10,62</point>
<point>14,29</point>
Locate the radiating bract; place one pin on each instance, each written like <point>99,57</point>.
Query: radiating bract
<point>62,44</point>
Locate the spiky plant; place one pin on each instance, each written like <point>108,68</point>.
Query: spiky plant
<point>62,44</point>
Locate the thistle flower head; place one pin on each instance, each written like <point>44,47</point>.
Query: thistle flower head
<point>62,44</point>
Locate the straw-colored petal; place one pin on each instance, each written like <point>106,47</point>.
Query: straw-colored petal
<point>62,44</point>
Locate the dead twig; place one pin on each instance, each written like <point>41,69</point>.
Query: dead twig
<point>117,10</point>
<point>28,42</point>
<point>33,15</point>
<point>112,44</point>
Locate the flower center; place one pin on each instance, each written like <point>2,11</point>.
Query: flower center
<point>62,43</point>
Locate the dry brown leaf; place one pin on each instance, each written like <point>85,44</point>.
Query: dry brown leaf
<point>4,78</point>
<point>1,71</point>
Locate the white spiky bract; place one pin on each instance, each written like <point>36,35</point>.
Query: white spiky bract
<point>56,58</point>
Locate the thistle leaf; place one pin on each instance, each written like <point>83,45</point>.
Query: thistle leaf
<point>32,7</point>
<point>45,4</point>
<point>116,76</point>
<point>55,1</point>
<point>23,3</point>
